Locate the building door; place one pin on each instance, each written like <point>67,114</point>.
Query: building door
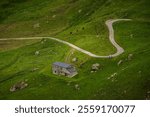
<point>66,74</point>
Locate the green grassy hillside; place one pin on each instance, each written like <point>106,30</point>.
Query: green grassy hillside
<point>81,22</point>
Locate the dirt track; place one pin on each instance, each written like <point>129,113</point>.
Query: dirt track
<point>109,24</point>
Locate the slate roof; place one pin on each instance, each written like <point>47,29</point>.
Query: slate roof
<point>64,65</point>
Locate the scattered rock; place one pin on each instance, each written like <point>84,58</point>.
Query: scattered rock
<point>79,11</point>
<point>113,80</point>
<point>95,67</point>
<point>68,83</point>
<point>53,16</point>
<point>18,86</point>
<point>131,35</point>
<point>140,72</point>
<point>26,80</point>
<point>110,56</point>
<point>36,25</point>
<point>40,85</point>
<point>113,75</point>
<point>125,92</point>
<point>124,68</point>
<point>77,87</point>
<point>148,95</point>
<point>97,36</point>
<point>148,92</point>
<point>120,62</point>
<point>130,56</point>
<point>92,71</point>
<point>95,95</point>
<point>74,60</point>
<point>42,42</point>
<point>87,14</point>
<point>37,53</point>
<point>34,69</point>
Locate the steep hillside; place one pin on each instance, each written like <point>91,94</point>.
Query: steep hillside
<point>80,22</point>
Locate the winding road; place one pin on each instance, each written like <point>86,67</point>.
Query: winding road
<point>109,24</point>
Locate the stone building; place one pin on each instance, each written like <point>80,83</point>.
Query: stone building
<point>64,69</point>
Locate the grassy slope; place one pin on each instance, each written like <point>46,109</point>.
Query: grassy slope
<point>132,80</point>
<point>12,44</point>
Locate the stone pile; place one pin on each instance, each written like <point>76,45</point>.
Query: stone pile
<point>18,86</point>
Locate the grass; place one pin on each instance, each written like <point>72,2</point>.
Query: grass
<point>85,20</point>
<point>13,44</point>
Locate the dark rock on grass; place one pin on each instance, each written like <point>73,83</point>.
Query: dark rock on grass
<point>71,33</point>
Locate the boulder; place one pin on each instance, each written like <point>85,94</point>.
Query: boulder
<point>37,53</point>
<point>74,60</point>
<point>53,16</point>
<point>125,92</point>
<point>140,72</point>
<point>97,36</point>
<point>68,83</point>
<point>130,56</point>
<point>131,35</point>
<point>26,80</point>
<point>120,62</point>
<point>34,69</point>
<point>42,42</point>
<point>36,25</point>
<point>113,75</point>
<point>95,67</point>
<point>148,92</point>
<point>77,87</point>
<point>79,11</point>
<point>40,85</point>
<point>92,71</point>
